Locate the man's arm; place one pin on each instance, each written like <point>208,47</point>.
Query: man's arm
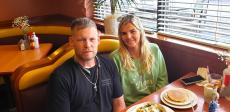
<point>118,99</point>
<point>118,104</point>
<point>58,99</point>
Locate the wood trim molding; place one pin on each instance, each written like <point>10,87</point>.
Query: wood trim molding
<point>54,19</point>
<point>195,45</point>
<point>60,30</point>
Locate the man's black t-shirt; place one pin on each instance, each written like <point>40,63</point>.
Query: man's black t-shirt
<point>71,91</point>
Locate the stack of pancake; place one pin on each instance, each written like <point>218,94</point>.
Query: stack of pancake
<point>178,98</point>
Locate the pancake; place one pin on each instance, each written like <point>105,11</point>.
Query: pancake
<point>168,100</point>
<point>177,95</point>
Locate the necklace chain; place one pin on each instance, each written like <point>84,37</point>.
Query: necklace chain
<point>95,83</point>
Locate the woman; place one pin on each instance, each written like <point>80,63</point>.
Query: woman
<point>140,63</point>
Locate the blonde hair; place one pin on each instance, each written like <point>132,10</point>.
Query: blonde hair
<point>147,59</point>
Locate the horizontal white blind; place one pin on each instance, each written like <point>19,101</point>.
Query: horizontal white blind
<point>146,10</point>
<point>200,20</point>
<point>197,19</point>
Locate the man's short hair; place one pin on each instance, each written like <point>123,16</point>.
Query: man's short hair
<point>80,23</point>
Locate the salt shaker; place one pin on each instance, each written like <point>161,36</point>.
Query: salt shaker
<point>213,106</point>
<point>21,45</point>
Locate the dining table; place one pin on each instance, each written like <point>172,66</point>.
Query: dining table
<point>200,106</point>
<point>11,57</point>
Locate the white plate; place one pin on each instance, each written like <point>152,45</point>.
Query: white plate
<point>193,98</point>
<point>188,99</point>
<point>135,107</point>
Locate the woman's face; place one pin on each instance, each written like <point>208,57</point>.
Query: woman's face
<point>130,35</point>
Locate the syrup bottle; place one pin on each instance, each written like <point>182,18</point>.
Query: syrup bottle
<point>35,42</point>
<point>226,80</point>
<point>226,76</point>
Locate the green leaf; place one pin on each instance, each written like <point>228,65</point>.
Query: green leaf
<point>115,4</point>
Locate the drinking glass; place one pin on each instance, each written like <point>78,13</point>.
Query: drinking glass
<point>216,80</point>
<point>210,93</point>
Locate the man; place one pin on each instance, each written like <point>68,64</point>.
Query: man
<point>86,82</point>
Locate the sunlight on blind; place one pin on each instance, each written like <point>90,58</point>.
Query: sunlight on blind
<point>146,10</point>
<point>208,20</point>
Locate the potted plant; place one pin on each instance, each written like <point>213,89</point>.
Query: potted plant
<point>110,22</point>
<point>22,23</point>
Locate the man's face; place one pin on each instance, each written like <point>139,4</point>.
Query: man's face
<point>85,42</point>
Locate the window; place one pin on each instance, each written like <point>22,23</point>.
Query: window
<point>205,21</point>
<point>146,10</point>
<point>202,20</point>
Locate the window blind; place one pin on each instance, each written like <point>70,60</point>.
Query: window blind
<point>202,20</point>
<point>206,21</point>
<point>146,10</point>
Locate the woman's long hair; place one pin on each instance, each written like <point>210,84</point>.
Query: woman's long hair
<point>146,58</point>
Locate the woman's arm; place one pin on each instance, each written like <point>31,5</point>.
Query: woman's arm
<point>162,79</point>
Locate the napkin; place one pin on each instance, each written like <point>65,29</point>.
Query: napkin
<point>202,71</point>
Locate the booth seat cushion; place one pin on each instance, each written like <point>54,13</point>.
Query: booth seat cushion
<point>40,75</point>
<point>108,45</point>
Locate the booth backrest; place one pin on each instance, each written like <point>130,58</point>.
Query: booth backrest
<point>29,82</point>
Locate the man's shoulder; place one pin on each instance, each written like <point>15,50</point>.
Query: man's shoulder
<point>64,68</point>
<point>66,64</point>
<point>106,62</point>
<point>104,59</point>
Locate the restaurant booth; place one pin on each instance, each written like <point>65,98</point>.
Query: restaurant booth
<point>182,57</point>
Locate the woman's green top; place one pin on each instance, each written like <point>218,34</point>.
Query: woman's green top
<point>136,85</point>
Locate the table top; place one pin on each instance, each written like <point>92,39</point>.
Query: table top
<point>201,106</point>
<point>11,57</point>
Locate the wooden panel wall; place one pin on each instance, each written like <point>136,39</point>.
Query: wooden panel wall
<point>14,8</point>
<point>10,9</point>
